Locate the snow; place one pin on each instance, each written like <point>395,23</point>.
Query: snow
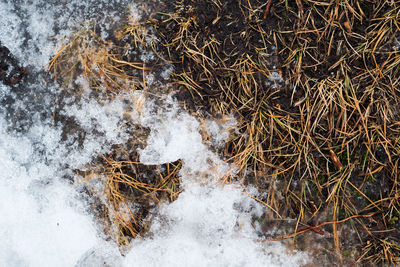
<point>38,225</point>
<point>274,80</point>
<point>174,135</point>
<point>220,130</point>
<point>44,220</point>
<point>99,121</point>
<point>207,226</point>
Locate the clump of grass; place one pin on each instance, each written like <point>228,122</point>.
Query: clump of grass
<point>382,251</point>
<point>327,134</point>
<point>127,192</point>
<point>101,62</point>
<point>122,192</point>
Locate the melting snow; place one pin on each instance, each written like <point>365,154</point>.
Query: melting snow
<point>43,220</point>
<point>208,226</point>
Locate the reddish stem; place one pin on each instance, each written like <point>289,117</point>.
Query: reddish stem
<point>267,9</point>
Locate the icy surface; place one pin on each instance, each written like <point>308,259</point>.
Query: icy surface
<point>175,135</point>
<point>43,219</point>
<point>40,222</point>
<point>32,29</point>
<point>207,226</point>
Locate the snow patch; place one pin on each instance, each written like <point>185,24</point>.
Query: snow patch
<point>41,222</point>
<point>208,226</point>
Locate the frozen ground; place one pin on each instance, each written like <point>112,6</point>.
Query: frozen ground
<point>43,220</point>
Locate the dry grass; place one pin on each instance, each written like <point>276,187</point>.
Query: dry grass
<point>129,192</point>
<point>329,134</point>
<point>323,142</point>
<point>101,62</point>
<point>122,192</point>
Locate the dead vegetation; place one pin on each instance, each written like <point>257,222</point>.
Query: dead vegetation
<point>124,193</point>
<point>121,192</point>
<point>315,88</point>
<point>326,136</point>
<point>102,63</point>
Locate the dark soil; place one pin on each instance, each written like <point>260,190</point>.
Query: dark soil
<point>10,71</point>
<point>224,53</point>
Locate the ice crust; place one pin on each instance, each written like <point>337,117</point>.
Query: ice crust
<point>43,219</point>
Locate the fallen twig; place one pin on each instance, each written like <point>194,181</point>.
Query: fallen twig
<point>313,228</point>
<point>267,9</point>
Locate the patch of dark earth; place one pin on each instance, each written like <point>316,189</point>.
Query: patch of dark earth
<point>234,26</point>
